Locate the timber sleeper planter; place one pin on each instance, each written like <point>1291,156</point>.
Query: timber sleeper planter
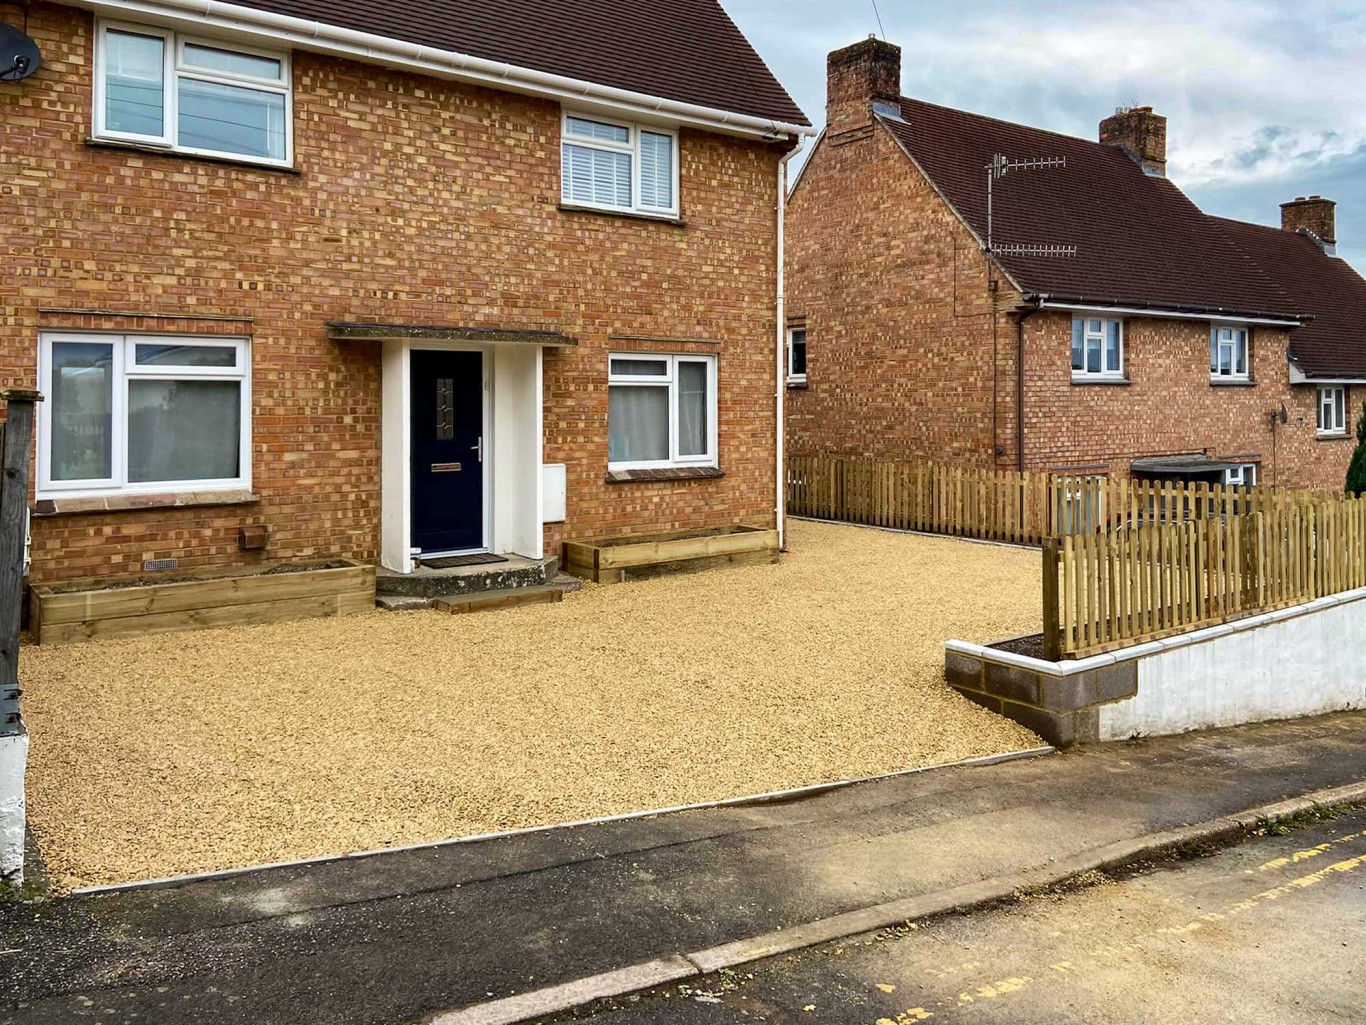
<point>65,613</point>
<point>614,560</point>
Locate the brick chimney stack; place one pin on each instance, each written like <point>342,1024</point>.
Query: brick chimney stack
<point>858,78</point>
<point>1315,215</point>
<point>1140,133</point>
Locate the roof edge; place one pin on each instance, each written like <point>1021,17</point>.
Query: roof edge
<point>934,185</point>
<point>375,49</point>
<point>1062,302</point>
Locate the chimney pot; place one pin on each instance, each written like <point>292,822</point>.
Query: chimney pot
<point>1314,215</point>
<point>1141,134</point>
<point>857,77</point>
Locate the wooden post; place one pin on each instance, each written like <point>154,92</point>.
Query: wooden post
<point>14,471</point>
<point>1052,638</point>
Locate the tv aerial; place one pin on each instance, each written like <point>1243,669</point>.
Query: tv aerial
<point>19,56</point>
<point>1000,166</point>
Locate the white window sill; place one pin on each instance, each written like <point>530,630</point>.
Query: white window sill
<point>59,504</point>
<point>1232,382</point>
<point>619,211</point>
<point>189,154</point>
<point>1331,435</point>
<point>1100,379</point>
<point>797,382</point>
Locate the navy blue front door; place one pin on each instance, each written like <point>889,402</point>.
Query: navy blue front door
<point>447,450</point>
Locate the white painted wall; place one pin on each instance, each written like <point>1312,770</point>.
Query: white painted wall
<point>1302,661</point>
<point>13,759</point>
<point>517,436</point>
<point>394,478</point>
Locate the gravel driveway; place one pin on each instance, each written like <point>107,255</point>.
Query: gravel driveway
<point>199,751</point>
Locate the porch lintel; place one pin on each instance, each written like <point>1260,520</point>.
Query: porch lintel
<point>340,331</point>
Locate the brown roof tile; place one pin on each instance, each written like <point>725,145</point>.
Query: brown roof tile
<point>1333,344</point>
<point>685,50</point>
<point>1139,240</point>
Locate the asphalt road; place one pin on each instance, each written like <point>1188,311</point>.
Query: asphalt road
<point>1271,931</point>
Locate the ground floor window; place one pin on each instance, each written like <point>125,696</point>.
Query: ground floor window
<point>1332,418</point>
<point>1241,476</point>
<point>143,413</point>
<point>661,411</point>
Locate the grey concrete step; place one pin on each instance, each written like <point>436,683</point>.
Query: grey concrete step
<point>425,582</point>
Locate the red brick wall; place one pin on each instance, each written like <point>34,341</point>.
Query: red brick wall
<point>1169,406</point>
<point>893,289</point>
<point>901,346</point>
<point>418,201</point>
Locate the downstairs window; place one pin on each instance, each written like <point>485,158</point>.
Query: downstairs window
<point>661,411</point>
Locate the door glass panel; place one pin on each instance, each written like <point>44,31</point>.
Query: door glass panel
<point>445,409</point>
<point>637,424</point>
<point>134,73</point>
<point>184,430</point>
<point>692,409</point>
<point>82,411</point>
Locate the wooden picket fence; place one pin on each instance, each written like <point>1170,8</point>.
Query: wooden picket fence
<point>1110,589</point>
<point>1003,505</point>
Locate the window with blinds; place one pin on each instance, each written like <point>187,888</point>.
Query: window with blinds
<point>615,166</point>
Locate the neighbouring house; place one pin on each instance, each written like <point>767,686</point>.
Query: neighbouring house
<point>325,280</point>
<point>966,290</point>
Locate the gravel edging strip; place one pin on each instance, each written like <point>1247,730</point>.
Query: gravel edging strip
<point>769,797</point>
<point>622,982</point>
<point>918,533</point>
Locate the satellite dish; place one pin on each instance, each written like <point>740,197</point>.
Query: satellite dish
<point>19,56</point>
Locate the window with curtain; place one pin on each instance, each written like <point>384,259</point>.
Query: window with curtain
<point>159,87</point>
<point>1097,347</point>
<point>661,411</point>
<point>618,165</point>
<point>131,413</point>
<point>1332,418</point>
<point>1228,352</point>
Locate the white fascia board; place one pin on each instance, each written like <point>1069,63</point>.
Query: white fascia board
<point>1161,314</point>
<point>1298,376</point>
<point>276,29</point>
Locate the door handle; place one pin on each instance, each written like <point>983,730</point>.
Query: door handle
<point>479,448</point>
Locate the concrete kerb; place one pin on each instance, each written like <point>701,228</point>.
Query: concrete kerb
<point>626,981</point>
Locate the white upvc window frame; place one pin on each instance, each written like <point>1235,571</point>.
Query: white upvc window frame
<point>669,380</point>
<point>1106,372</point>
<point>125,370</point>
<point>174,68</point>
<point>632,148</point>
<point>1239,342</point>
<point>1244,476</point>
<point>1331,399</point>
<point>792,333</point>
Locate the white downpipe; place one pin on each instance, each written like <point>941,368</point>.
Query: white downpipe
<point>371,48</point>
<point>780,382</point>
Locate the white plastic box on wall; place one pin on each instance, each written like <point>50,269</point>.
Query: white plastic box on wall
<point>554,490</point>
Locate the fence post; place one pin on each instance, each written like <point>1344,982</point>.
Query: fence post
<point>18,440</point>
<point>1052,634</point>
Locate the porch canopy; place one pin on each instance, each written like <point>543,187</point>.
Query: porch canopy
<point>1180,466</point>
<point>342,331</point>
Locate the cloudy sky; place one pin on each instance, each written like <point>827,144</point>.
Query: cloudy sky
<point>1265,101</point>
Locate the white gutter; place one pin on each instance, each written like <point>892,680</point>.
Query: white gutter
<point>364,46</point>
<point>1162,314</point>
<point>780,395</point>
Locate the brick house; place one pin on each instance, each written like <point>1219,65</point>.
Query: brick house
<point>388,280</point>
<point>1112,329</point>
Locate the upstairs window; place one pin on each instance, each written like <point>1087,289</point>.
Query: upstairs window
<point>160,88</point>
<point>661,411</point>
<point>1228,353</point>
<point>613,165</point>
<point>796,355</point>
<point>1097,347</point>
<point>1332,419</point>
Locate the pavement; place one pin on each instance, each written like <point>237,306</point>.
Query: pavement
<point>1271,931</point>
<point>401,936</point>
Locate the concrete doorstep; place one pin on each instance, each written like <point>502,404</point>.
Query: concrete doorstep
<point>580,993</point>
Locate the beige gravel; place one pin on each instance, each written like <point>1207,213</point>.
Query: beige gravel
<point>200,751</point>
